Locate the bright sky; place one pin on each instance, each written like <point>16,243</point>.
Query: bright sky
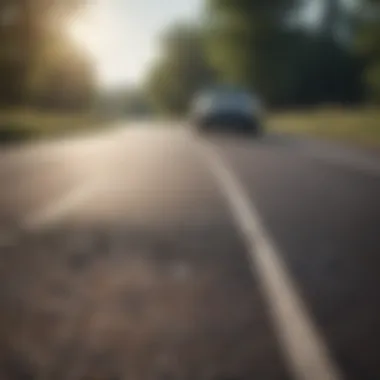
<point>122,34</point>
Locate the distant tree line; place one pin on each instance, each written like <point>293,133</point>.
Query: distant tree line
<point>124,101</point>
<point>268,46</point>
<point>181,71</point>
<point>40,66</point>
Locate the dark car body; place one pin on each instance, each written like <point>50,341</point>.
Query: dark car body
<point>227,109</point>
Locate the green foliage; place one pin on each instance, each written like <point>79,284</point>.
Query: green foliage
<point>248,41</point>
<point>368,47</point>
<point>258,13</point>
<point>20,124</point>
<point>181,71</point>
<point>39,64</point>
<point>372,77</point>
<point>324,71</point>
<point>254,43</point>
<point>267,46</point>
<point>62,76</point>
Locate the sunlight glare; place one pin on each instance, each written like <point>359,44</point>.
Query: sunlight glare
<point>89,31</point>
<point>118,59</point>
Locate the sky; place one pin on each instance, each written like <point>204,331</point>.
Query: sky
<point>122,35</point>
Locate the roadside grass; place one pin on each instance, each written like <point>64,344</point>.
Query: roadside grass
<point>18,125</point>
<point>357,126</point>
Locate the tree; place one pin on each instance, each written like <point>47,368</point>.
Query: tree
<point>31,31</point>
<point>249,42</point>
<point>263,45</point>
<point>63,76</point>
<point>181,71</point>
<point>368,46</point>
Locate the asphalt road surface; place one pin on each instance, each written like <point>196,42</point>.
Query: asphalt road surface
<point>151,253</point>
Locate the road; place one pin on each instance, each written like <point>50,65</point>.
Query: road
<point>150,253</point>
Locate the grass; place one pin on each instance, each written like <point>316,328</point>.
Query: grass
<point>26,124</point>
<point>361,127</point>
<point>358,126</point>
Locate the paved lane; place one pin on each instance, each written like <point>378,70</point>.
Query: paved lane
<point>144,276</point>
<point>126,261</point>
<point>35,176</point>
<point>323,212</point>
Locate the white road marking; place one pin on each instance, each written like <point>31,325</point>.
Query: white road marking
<point>303,346</point>
<point>49,214</point>
<point>57,209</point>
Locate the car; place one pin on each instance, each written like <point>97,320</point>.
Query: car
<point>228,109</point>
